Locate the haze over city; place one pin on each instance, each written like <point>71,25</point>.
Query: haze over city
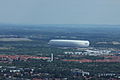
<point>60,11</point>
<point>59,40</point>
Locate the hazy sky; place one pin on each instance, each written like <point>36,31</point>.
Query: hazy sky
<point>60,11</point>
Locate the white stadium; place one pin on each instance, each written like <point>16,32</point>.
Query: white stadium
<point>69,43</point>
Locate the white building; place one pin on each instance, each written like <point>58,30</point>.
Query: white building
<point>69,43</point>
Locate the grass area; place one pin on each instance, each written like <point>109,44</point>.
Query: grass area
<point>15,39</point>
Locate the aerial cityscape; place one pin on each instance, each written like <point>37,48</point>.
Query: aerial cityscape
<point>59,39</point>
<point>49,52</point>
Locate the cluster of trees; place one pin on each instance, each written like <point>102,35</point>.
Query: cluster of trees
<point>61,69</point>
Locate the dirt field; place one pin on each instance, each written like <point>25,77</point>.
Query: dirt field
<point>15,39</point>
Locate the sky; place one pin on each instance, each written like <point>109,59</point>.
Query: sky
<point>60,11</point>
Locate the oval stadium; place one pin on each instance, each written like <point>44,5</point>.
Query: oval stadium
<point>69,43</point>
